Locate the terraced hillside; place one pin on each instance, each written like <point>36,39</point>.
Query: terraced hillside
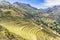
<point>6,35</point>
<point>18,24</point>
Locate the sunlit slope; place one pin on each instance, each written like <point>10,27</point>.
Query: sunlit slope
<point>29,32</point>
<point>20,23</point>
<point>6,35</point>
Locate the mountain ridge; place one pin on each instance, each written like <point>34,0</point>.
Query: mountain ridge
<point>29,23</point>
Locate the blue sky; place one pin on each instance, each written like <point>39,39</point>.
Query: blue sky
<point>34,3</point>
<point>39,3</point>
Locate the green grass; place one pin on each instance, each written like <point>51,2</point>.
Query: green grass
<point>25,28</point>
<point>28,32</point>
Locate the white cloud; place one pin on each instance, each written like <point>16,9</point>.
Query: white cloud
<point>50,3</point>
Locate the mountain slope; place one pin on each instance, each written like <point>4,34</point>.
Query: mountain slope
<point>26,7</point>
<point>6,35</point>
<point>22,23</point>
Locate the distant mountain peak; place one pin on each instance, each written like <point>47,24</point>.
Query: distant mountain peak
<point>24,5</point>
<point>19,3</point>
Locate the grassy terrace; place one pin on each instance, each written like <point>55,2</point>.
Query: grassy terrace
<point>28,32</point>
<point>25,28</point>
